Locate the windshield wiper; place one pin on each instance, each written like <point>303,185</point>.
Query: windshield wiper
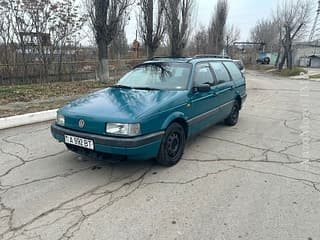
<point>147,88</point>
<point>122,86</point>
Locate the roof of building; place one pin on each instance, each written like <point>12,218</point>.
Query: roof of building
<point>314,56</point>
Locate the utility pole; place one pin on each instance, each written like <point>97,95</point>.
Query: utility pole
<point>315,24</point>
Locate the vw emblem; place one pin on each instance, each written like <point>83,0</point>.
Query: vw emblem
<point>81,123</point>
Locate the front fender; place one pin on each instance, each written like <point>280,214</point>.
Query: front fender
<point>172,117</point>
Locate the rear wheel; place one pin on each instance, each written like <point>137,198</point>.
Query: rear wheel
<point>172,145</point>
<point>233,118</point>
<point>266,60</point>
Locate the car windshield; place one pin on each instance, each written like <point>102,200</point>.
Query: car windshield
<point>157,76</point>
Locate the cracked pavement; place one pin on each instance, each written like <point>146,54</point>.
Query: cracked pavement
<point>257,180</point>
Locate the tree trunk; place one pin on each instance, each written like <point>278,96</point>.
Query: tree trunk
<point>149,26</point>
<point>60,65</point>
<point>278,57</point>
<point>6,51</point>
<point>283,60</point>
<point>175,39</point>
<point>103,66</point>
<point>151,52</point>
<point>45,77</point>
<point>176,49</point>
<point>290,62</point>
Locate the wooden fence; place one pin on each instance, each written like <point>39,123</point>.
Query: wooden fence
<point>63,71</point>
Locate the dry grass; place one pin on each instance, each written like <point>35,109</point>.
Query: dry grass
<point>261,67</point>
<point>21,99</point>
<point>31,92</point>
<point>316,76</point>
<point>296,71</point>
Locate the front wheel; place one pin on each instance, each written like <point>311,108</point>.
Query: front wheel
<point>172,145</point>
<point>232,119</point>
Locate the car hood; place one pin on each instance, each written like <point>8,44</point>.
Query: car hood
<point>120,105</point>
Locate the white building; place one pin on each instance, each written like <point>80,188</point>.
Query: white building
<point>306,54</point>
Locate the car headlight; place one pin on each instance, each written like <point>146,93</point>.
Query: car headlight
<point>123,129</point>
<point>60,120</point>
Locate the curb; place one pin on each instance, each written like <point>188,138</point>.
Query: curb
<point>26,119</point>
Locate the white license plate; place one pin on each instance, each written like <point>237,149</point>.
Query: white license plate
<point>77,141</point>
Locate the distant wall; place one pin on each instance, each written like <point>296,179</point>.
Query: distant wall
<point>303,51</point>
<point>315,62</point>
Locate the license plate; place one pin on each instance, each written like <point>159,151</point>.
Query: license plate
<point>80,142</point>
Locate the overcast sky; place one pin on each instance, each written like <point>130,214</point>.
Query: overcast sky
<point>242,13</point>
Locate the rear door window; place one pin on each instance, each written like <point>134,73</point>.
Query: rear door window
<point>203,75</point>
<point>221,72</point>
<point>233,70</point>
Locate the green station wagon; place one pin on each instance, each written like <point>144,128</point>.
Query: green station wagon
<point>153,109</point>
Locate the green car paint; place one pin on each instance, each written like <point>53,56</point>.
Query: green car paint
<point>192,98</point>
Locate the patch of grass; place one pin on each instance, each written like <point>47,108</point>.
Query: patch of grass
<point>293,72</point>
<point>265,67</point>
<point>30,92</point>
<point>315,76</point>
<point>261,67</point>
<point>34,106</point>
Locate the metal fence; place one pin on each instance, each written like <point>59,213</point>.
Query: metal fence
<point>61,71</point>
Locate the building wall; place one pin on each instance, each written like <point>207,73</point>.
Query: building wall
<point>301,51</point>
<point>315,62</point>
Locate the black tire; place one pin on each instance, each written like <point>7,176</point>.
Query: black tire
<point>267,60</point>
<point>172,145</point>
<point>232,119</point>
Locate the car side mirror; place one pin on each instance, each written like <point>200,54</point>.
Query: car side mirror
<point>202,88</point>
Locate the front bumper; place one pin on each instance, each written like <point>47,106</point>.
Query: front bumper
<point>141,147</point>
<point>244,97</point>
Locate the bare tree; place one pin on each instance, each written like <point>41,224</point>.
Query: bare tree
<point>38,29</point>
<point>217,27</point>
<point>293,17</point>
<point>20,24</point>
<point>119,45</point>
<point>6,36</point>
<point>151,31</point>
<point>179,16</point>
<point>266,31</point>
<point>53,24</point>
<point>107,17</point>
<point>199,42</point>
<point>232,35</point>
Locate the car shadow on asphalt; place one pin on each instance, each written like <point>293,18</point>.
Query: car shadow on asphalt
<point>98,164</point>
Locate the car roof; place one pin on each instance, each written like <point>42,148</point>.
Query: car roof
<point>206,59</point>
<point>194,60</point>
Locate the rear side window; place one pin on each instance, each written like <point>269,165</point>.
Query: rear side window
<point>203,75</point>
<point>239,65</point>
<point>220,72</point>
<point>234,70</point>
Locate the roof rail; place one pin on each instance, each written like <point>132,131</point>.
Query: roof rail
<point>165,57</point>
<point>211,56</point>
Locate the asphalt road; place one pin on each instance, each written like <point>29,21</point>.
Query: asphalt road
<point>258,180</point>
